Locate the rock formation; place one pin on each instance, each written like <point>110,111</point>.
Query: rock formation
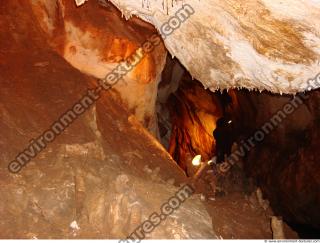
<point>106,172</point>
<point>258,44</point>
<point>72,188</point>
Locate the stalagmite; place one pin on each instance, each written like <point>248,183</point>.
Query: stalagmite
<point>277,228</point>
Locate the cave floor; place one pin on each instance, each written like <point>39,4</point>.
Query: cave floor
<point>237,216</point>
<point>47,194</point>
<point>235,210</point>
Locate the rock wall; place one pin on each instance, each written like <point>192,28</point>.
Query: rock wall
<point>95,39</point>
<point>194,112</point>
<point>285,163</point>
<point>103,164</point>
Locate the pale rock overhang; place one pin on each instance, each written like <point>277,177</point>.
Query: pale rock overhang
<point>269,45</point>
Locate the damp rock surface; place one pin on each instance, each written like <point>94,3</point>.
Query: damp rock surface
<point>90,181</point>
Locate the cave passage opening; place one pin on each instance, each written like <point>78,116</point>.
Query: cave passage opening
<point>187,115</point>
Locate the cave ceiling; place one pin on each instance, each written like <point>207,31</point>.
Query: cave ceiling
<point>271,45</point>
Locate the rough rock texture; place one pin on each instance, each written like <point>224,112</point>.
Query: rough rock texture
<point>194,112</point>
<point>286,163</point>
<point>95,39</point>
<point>269,45</point>
<point>71,189</point>
<point>170,81</point>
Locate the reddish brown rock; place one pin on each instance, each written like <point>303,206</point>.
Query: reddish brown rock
<point>70,189</point>
<point>286,163</point>
<point>95,38</point>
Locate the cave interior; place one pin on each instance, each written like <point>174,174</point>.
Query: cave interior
<point>137,141</point>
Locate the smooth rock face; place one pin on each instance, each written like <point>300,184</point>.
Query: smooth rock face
<point>95,39</point>
<point>72,188</point>
<point>257,44</point>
